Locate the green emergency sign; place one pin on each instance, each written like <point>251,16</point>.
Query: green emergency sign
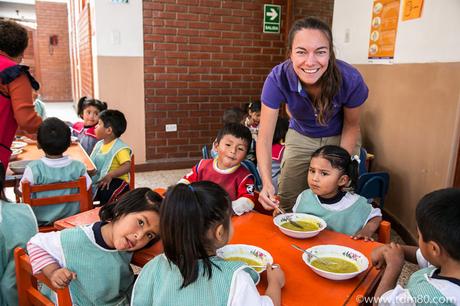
<point>272,18</point>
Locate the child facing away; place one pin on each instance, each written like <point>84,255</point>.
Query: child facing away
<point>332,171</point>
<point>281,128</point>
<point>112,158</point>
<point>195,221</point>
<point>232,145</point>
<point>17,226</point>
<point>438,255</point>
<point>253,118</point>
<point>94,260</point>
<point>88,110</point>
<point>53,137</point>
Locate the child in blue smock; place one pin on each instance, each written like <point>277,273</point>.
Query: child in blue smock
<point>88,110</point>
<point>195,221</point>
<point>112,158</point>
<point>53,137</point>
<point>17,226</point>
<point>437,254</point>
<point>332,176</point>
<point>94,260</point>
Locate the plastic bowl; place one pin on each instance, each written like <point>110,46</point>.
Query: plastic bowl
<point>284,218</point>
<point>18,145</point>
<point>15,153</point>
<point>253,253</point>
<point>337,251</point>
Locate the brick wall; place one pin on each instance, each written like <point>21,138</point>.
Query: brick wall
<point>85,53</point>
<point>200,58</point>
<point>54,76</point>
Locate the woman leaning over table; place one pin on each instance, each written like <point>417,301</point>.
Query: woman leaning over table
<point>323,96</point>
<point>16,84</point>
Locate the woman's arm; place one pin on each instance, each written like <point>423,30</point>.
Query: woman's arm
<point>20,92</point>
<point>267,125</point>
<point>351,128</point>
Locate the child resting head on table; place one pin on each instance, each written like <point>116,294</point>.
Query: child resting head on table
<point>331,176</point>
<point>437,254</point>
<point>88,110</point>
<point>53,137</point>
<point>17,226</point>
<point>226,170</point>
<point>195,221</point>
<point>94,260</point>
<point>112,157</point>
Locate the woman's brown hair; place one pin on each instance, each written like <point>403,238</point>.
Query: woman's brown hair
<point>331,80</point>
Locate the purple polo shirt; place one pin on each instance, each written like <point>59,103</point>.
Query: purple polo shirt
<point>283,86</point>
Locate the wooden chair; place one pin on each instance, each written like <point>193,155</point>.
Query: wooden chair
<point>27,284</point>
<point>83,196</point>
<point>132,174</point>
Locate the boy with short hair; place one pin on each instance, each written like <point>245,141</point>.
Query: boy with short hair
<point>53,137</point>
<point>225,169</point>
<point>438,254</point>
<point>112,157</point>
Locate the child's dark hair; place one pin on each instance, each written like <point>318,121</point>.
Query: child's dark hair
<point>340,159</point>
<point>255,106</point>
<point>136,200</point>
<point>187,215</point>
<point>237,130</point>
<point>281,128</point>
<point>13,38</point>
<point>2,183</point>
<point>233,115</point>
<point>85,102</point>
<point>114,119</point>
<point>53,136</point>
<point>438,219</point>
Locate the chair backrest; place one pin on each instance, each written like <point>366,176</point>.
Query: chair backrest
<point>363,161</point>
<point>253,169</point>
<point>205,152</point>
<point>83,196</point>
<point>132,173</point>
<point>374,185</point>
<point>28,293</point>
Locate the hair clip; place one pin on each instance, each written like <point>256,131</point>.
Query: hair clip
<point>356,157</point>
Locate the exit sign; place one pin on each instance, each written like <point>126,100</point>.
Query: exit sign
<point>272,18</point>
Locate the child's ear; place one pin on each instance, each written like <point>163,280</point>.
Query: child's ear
<point>214,145</point>
<point>220,233</point>
<point>109,130</point>
<point>435,249</point>
<point>343,180</point>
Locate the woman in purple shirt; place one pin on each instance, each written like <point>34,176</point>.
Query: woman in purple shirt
<point>323,96</point>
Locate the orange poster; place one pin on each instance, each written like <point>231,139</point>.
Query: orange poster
<point>412,9</point>
<point>384,25</point>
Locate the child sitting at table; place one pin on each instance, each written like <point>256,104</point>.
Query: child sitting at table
<point>281,128</point>
<point>331,176</point>
<point>226,170</point>
<point>195,221</point>
<point>53,137</point>
<point>438,255</point>
<point>253,118</point>
<point>17,226</point>
<point>88,110</point>
<point>112,158</point>
<point>94,260</point>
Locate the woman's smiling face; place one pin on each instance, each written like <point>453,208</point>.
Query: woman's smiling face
<point>310,53</point>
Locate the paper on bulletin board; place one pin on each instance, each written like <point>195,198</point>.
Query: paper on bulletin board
<point>412,9</point>
<point>384,26</point>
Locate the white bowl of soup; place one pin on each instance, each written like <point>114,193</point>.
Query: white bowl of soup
<point>336,262</point>
<point>310,225</point>
<point>254,257</point>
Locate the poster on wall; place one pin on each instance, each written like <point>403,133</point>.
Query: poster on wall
<point>384,26</point>
<point>412,9</point>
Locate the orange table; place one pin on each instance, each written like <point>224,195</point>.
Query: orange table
<point>303,286</point>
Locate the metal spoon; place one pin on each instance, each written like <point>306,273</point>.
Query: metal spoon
<point>325,262</point>
<point>289,220</point>
<point>274,266</point>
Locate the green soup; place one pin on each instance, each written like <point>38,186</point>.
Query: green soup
<point>307,226</point>
<point>340,266</point>
<point>248,261</point>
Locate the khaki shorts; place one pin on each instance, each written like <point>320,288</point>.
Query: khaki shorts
<point>295,163</point>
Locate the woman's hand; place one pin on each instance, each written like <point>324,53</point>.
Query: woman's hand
<point>267,197</point>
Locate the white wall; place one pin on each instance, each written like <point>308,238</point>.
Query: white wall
<point>119,28</point>
<point>432,38</point>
